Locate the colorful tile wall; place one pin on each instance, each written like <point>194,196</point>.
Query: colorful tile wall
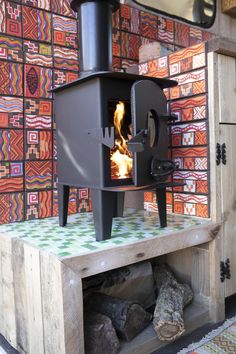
<point>189,135</point>
<point>39,50</point>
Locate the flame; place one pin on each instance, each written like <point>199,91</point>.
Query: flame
<point>120,155</point>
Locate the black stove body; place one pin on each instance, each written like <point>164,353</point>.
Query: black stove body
<point>87,135</point>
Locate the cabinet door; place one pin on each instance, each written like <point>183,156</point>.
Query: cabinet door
<point>227,89</point>
<point>228,202</point>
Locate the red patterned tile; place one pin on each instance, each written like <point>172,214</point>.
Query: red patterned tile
<point>4,208</point>
<point>16,207</point>
<point>201,138</point>
<point>178,208</point>
<point>125,15</point>
<point>202,186</point>
<point>130,46</point>
<point>181,34</point>
<point>148,197</point>
<point>16,142</point>
<point>202,210</point>
<point>38,174</point>
<point>189,163</point>
<point>149,25</point>
<point>13,19</point>
<point>45,204</point>
<point>65,31</point>
<point>176,139</point>
<point>116,43</point>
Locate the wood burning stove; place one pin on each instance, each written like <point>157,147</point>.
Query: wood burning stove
<point>112,127</point>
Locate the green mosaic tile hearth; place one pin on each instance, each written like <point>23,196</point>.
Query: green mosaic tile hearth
<point>78,237</point>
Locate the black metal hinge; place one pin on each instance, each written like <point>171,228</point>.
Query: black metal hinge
<point>225,270</point>
<point>220,153</point>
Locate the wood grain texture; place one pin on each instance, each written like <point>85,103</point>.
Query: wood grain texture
<point>7,298</point>
<point>101,261</point>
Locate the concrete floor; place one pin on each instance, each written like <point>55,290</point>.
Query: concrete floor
<point>173,348</point>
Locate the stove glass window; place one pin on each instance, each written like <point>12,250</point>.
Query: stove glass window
<point>121,160</point>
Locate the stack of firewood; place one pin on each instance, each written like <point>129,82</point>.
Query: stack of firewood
<point>109,319</point>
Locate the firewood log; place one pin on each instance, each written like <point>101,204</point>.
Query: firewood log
<point>100,335</point>
<point>172,298</point>
<point>127,317</point>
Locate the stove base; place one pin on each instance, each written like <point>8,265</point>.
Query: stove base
<point>106,206</point>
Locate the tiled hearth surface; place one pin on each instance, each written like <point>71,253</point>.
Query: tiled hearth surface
<point>78,237</point>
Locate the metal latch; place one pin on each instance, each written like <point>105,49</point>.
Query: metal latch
<point>225,270</point>
<point>221,154</point>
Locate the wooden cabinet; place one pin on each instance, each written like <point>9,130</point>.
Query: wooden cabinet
<point>222,127</point>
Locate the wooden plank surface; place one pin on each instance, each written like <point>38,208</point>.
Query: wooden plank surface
<point>228,187</point>
<point>72,294</point>
<point>101,261</point>
<point>52,304</point>
<point>7,301</point>
<point>27,292</point>
<point>34,300</point>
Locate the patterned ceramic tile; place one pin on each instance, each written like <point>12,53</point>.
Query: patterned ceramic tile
<point>116,19</point>
<point>36,24</point>
<point>37,53</point>
<point>62,77</point>
<point>193,108</point>
<point>116,43</point>
<point>182,34</point>
<point>11,207</point>
<point>11,18</point>
<point>78,236</point>
<point>130,45</point>
<point>189,134</point>
<point>149,25</point>
<point>38,174</point>
<point>165,30</point>
<point>125,18</point>
<point>189,84</point>
<point>11,78</point>
<point>65,58</point>
<point>38,81</point>
<point>11,49</point>
<point>195,36</point>
<point>158,67</point>
<point>61,7</point>
<point>38,145</point>
<point>134,26</point>
<point>64,31</point>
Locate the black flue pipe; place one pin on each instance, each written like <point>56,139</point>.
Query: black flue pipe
<point>95,35</point>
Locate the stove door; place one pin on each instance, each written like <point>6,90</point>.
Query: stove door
<point>149,129</point>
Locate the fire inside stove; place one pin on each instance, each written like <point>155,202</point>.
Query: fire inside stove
<point>120,157</point>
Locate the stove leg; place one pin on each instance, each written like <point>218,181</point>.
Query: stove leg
<point>161,202</point>
<point>120,199</point>
<point>104,209</point>
<point>63,201</point>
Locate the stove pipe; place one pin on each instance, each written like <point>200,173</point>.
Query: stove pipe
<point>95,35</point>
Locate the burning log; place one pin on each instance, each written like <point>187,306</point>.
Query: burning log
<point>100,335</point>
<point>172,298</point>
<point>128,318</point>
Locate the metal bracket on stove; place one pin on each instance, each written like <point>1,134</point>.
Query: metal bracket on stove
<point>137,143</point>
<point>105,136</point>
<point>170,117</point>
